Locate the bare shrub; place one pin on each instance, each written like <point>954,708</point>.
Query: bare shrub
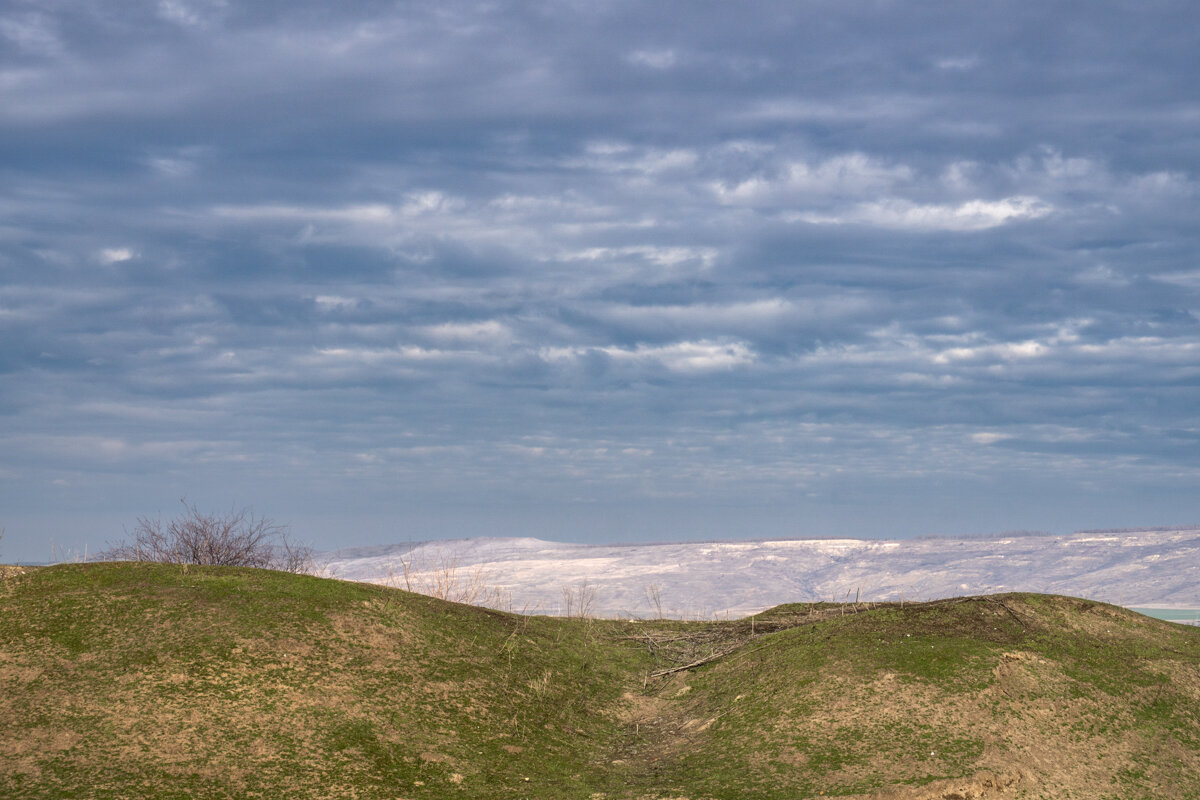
<point>232,538</point>
<point>579,601</point>
<point>67,555</point>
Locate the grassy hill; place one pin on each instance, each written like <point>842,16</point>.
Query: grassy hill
<point>138,680</point>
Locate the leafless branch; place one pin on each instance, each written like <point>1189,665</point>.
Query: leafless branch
<point>233,538</point>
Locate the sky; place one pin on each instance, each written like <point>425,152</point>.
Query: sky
<point>598,271</point>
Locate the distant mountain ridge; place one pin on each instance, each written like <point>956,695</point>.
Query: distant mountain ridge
<point>1147,567</point>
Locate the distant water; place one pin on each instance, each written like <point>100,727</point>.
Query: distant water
<point>1187,616</point>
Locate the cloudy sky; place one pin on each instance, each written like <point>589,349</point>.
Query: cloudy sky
<point>598,271</point>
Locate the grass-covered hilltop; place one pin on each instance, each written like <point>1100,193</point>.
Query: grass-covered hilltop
<point>130,680</point>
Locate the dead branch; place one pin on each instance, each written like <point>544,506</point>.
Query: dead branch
<point>695,664</point>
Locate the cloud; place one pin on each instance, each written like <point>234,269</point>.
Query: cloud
<point>115,255</point>
<point>654,59</point>
<point>179,12</point>
<point>1006,351</point>
<point>973,215</point>
<point>805,258</point>
<point>757,312</point>
<point>487,332</point>
<point>683,357</point>
<point>959,63</point>
<point>376,213</point>
<point>32,33</point>
<point>852,174</point>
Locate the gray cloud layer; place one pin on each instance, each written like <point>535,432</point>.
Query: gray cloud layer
<point>614,270</point>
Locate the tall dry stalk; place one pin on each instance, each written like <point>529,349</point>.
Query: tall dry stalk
<point>579,601</point>
<point>446,579</point>
<point>654,592</point>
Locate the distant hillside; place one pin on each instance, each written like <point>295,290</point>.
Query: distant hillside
<point>136,680</point>
<point>1150,568</point>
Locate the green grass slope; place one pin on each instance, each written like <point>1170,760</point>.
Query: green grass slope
<point>1007,696</point>
<point>137,680</point>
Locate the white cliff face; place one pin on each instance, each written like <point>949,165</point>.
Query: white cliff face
<point>1159,568</point>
